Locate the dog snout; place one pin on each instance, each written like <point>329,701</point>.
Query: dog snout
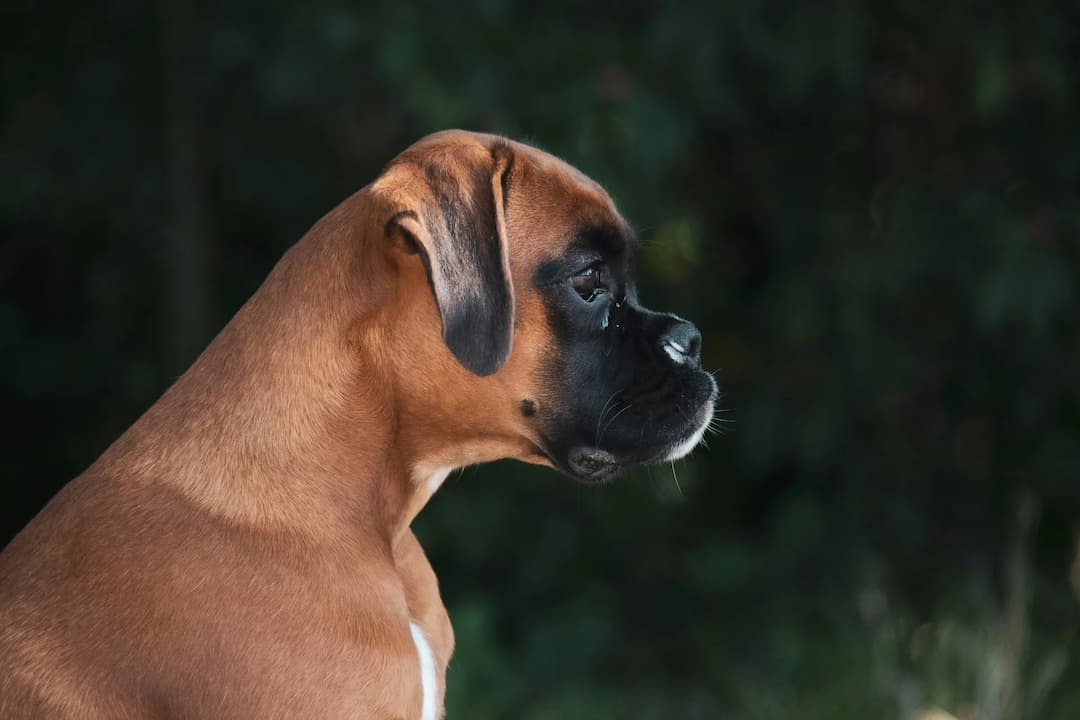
<point>682,343</point>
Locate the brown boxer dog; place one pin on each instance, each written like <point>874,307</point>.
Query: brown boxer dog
<point>244,551</point>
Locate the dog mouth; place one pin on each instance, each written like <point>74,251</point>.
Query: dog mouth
<point>593,465</point>
<point>698,426</point>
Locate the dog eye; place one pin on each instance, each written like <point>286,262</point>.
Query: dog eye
<point>590,282</point>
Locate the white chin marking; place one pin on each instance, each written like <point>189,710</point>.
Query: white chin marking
<point>428,683</point>
<point>682,449</point>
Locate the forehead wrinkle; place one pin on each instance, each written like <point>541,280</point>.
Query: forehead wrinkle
<point>616,239</point>
<point>551,199</point>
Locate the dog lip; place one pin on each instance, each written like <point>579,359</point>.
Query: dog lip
<point>592,464</point>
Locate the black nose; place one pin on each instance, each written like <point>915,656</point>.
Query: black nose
<point>682,343</point>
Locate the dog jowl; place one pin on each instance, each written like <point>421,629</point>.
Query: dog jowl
<point>628,382</point>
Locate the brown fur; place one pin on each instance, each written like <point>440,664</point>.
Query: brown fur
<point>243,550</point>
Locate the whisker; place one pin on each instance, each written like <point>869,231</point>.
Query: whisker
<point>600,419</point>
<point>613,417</point>
<point>675,476</point>
<point>679,409</point>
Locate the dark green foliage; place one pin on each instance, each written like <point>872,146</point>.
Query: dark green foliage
<point>869,208</point>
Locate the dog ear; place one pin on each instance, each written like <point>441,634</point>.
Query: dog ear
<point>453,214</point>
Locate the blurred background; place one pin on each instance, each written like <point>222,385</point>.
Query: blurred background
<point>870,209</point>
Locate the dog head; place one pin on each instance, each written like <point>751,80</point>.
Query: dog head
<point>518,328</point>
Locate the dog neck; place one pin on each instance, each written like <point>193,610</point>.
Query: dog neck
<point>283,422</point>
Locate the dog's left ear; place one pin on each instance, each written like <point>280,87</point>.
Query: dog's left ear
<point>450,208</point>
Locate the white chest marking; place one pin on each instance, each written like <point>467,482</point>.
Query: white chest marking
<point>435,480</point>
<point>428,683</point>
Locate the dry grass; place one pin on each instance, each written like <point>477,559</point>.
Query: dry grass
<point>979,667</point>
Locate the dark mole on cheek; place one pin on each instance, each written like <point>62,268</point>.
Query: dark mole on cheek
<point>528,408</point>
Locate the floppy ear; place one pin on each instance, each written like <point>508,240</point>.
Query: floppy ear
<point>452,213</point>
